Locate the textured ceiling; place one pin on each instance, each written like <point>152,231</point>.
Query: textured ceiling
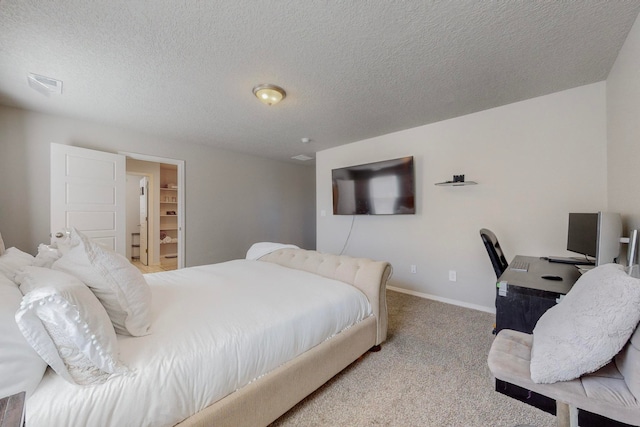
<point>184,70</point>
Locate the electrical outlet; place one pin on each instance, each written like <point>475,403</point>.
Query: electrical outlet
<point>452,275</point>
<point>414,269</point>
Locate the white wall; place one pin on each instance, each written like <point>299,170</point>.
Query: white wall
<point>623,128</point>
<point>232,199</point>
<point>535,161</point>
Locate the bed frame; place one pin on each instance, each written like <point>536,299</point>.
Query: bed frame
<point>264,400</point>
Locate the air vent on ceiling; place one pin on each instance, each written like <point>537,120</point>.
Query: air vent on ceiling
<point>45,85</point>
<point>302,157</point>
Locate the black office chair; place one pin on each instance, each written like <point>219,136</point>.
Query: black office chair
<point>494,250</point>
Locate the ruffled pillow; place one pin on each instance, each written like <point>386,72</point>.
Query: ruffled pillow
<point>588,327</point>
<point>119,285</point>
<point>67,326</point>
<point>21,368</point>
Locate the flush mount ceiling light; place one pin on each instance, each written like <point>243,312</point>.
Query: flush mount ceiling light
<point>269,94</point>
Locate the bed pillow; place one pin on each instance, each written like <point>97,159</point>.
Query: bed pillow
<point>47,255</point>
<point>588,327</point>
<point>67,326</point>
<point>21,368</point>
<point>119,285</point>
<point>13,260</point>
<point>260,249</point>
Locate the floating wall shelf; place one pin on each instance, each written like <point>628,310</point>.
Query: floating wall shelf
<point>456,183</point>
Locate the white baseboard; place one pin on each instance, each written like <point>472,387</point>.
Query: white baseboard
<point>491,310</point>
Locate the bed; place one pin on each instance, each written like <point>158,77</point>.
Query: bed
<point>236,343</point>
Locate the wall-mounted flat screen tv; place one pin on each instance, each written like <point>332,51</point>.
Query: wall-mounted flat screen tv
<point>380,188</point>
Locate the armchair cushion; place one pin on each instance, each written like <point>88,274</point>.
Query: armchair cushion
<point>628,362</point>
<point>603,392</point>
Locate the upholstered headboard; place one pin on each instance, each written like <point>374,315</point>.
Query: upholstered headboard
<point>365,274</point>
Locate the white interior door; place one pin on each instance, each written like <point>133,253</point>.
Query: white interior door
<point>88,192</point>
<point>144,220</point>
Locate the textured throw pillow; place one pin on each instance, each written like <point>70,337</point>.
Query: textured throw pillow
<point>13,260</point>
<point>47,255</point>
<point>21,368</point>
<point>588,327</point>
<point>119,285</point>
<point>68,327</point>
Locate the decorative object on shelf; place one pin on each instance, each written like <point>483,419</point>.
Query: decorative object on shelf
<point>458,180</point>
<point>269,94</point>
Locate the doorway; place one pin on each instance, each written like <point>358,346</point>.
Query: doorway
<point>165,212</point>
<point>88,191</point>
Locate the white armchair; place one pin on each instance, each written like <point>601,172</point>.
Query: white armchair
<point>584,352</point>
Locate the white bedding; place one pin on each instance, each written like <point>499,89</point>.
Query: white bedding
<point>214,328</point>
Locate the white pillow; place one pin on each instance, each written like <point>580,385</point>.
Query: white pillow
<point>47,255</point>
<point>68,327</point>
<point>13,260</point>
<point>588,327</point>
<point>119,285</point>
<point>261,249</point>
<point>21,368</point>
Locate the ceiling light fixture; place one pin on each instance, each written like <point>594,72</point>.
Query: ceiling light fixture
<point>269,94</point>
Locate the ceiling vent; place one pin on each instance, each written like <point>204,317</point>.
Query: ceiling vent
<point>45,85</point>
<point>302,157</point>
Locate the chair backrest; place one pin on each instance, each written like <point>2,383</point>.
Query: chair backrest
<point>494,250</point>
<point>628,363</point>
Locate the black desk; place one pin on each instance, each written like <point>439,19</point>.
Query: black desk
<point>523,296</point>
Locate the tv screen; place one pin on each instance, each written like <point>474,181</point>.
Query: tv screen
<point>582,236</point>
<point>380,188</point>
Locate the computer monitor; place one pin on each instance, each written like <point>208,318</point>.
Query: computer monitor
<point>596,235</point>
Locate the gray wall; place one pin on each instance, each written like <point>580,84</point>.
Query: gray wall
<point>535,161</point>
<point>623,131</point>
<point>232,199</point>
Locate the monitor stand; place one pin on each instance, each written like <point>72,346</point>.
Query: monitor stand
<point>574,261</point>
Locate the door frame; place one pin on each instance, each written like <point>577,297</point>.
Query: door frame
<point>144,249</point>
<point>181,195</point>
<point>150,182</point>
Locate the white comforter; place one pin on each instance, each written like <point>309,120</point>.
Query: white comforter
<point>215,328</point>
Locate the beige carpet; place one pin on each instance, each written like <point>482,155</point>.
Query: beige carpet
<point>432,371</point>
